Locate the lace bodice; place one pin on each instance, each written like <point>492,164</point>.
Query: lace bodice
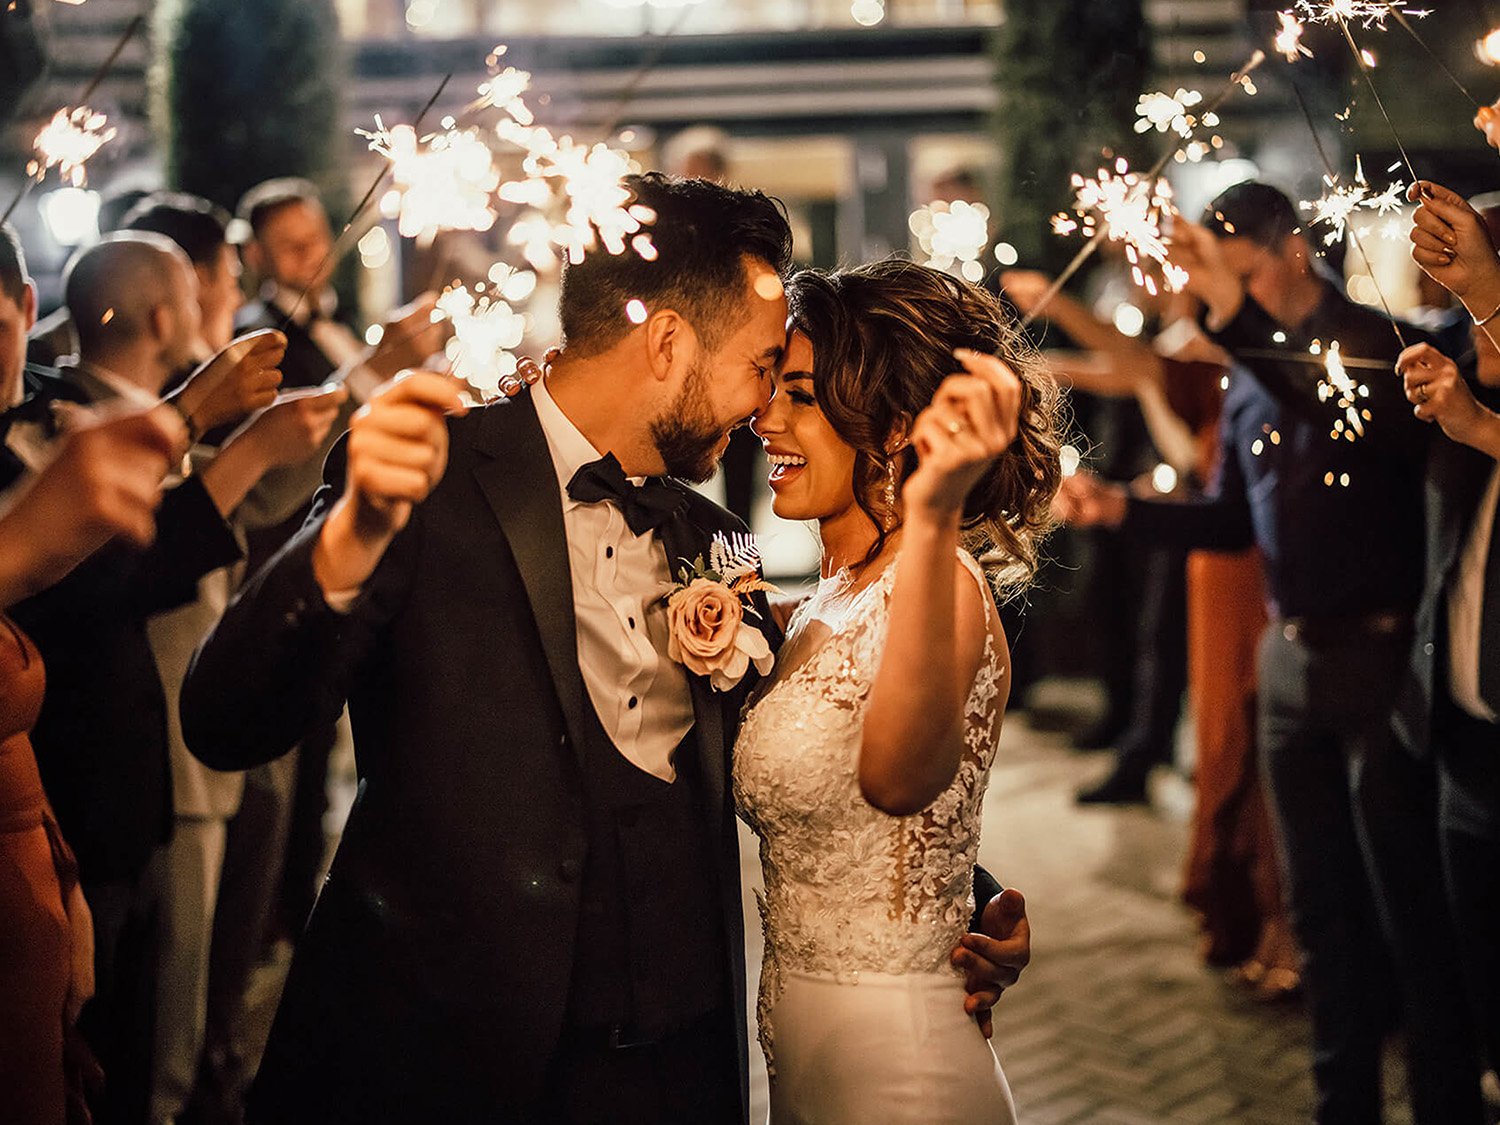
<point>850,888</point>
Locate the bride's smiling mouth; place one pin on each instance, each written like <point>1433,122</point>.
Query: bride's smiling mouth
<point>784,466</point>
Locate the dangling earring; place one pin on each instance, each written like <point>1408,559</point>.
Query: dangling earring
<point>890,487</point>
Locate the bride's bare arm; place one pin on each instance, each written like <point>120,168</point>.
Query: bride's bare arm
<point>913,732</point>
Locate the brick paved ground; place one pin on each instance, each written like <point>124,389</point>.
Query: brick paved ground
<point>1116,1022</point>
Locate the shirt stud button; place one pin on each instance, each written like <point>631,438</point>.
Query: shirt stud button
<point>609,552</point>
<point>632,622</point>
<point>632,703</point>
<point>1429,648</point>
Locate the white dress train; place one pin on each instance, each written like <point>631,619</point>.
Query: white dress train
<point>861,1014</point>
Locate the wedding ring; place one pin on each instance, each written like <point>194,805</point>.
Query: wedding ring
<point>956,427</point>
<point>1422,393</point>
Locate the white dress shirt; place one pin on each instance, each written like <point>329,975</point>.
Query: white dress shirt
<point>1466,607</point>
<point>642,697</point>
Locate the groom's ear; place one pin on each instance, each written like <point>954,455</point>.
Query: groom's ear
<point>670,344</point>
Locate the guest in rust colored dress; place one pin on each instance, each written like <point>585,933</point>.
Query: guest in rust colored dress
<point>104,482</point>
<point>42,915</point>
<point>1231,878</point>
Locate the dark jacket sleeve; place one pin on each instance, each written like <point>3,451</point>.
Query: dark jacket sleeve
<point>280,660</point>
<point>1294,376</point>
<point>120,582</point>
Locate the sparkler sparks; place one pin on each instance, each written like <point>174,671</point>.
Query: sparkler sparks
<point>441,182</point>
<point>1339,387</point>
<point>486,327</point>
<point>67,142</point>
<point>953,234</point>
<point>1289,33</point>
<point>1128,208</point>
<point>1367,13</point>
<point>1340,202</point>
<point>572,194</point>
<point>1162,111</point>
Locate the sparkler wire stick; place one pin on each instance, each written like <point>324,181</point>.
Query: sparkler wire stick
<point>648,65</point>
<point>1364,69</point>
<point>1285,356</point>
<point>1150,178</point>
<point>1433,55</point>
<point>361,206</point>
<point>131,30</point>
<point>1353,233</point>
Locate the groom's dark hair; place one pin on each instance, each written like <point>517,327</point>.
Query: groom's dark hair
<point>701,232</point>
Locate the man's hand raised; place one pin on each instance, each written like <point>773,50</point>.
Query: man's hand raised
<point>105,482</point>
<point>234,384</point>
<point>398,451</point>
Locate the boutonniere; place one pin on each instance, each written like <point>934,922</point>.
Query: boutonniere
<point>706,628</point>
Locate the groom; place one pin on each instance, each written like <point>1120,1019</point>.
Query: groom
<point>534,914</point>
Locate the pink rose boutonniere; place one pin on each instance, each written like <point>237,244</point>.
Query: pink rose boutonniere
<point>706,628</point>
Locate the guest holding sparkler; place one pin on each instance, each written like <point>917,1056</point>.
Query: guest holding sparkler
<point>291,252</point>
<point>1447,707</point>
<point>188,880</point>
<point>1338,522</point>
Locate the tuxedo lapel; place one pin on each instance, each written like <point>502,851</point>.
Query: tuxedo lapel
<point>685,540</point>
<point>520,486</point>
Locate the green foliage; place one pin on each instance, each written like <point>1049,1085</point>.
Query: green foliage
<point>244,90</point>
<point>1068,73</point>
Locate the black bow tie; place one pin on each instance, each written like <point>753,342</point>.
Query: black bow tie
<point>646,506</point>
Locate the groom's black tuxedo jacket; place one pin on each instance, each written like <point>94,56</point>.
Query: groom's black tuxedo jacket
<point>431,982</point>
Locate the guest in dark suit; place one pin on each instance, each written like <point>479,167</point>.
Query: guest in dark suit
<point>534,914</point>
<point>1448,707</point>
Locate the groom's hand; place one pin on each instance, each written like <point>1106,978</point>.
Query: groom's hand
<point>992,961</point>
<point>398,450</point>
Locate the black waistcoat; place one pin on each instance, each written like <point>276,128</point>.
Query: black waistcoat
<point>651,951</point>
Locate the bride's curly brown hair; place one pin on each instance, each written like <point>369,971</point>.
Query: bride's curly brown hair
<point>883,337</point>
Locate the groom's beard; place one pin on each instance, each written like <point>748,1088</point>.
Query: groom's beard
<point>686,435</point>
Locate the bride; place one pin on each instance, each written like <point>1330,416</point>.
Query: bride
<point>863,762</point>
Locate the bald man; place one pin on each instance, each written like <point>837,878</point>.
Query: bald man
<point>101,740</point>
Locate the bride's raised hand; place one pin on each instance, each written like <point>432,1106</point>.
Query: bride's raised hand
<point>973,419</point>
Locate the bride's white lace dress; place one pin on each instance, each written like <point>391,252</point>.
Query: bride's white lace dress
<point>861,1013</point>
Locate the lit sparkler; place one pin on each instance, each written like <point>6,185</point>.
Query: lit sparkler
<point>1128,208</point>
<point>1340,202</point>
<point>1340,388</point>
<point>441,182</point>
<point>1367,13</point>
<point>953,235</point>
<point>1162,111</point>
<point>1289,32</point>
<point>486,327</point>
<point>67,142</point>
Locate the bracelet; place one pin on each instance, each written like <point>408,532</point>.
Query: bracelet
<point>1481,323</point>
<point>187,419</point>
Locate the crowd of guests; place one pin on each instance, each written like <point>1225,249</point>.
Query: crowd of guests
<point>1333,631</point>
<point>173,438</point>
<point>1343,651</point>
